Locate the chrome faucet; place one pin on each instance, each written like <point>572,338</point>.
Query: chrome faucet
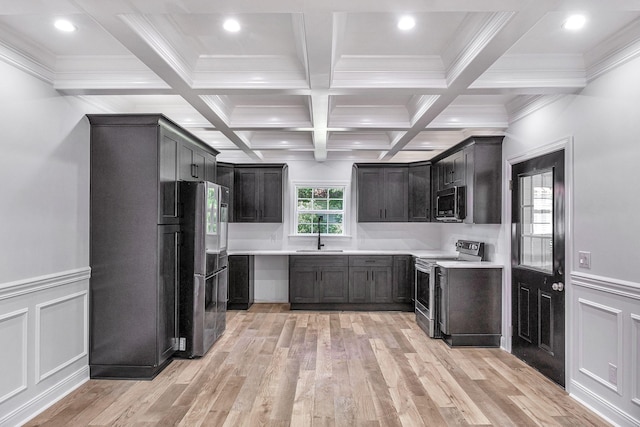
<point>320,245</point>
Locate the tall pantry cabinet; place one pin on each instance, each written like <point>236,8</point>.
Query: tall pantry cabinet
<point>136,162</point>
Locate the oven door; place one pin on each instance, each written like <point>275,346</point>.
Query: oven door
<point>423,291</point>
<point>426,301</point>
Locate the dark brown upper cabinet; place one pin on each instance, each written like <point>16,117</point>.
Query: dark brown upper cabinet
<point>419,192</point>
<point>382,192</point>
<point>475,163</point>
<point>258,193</point>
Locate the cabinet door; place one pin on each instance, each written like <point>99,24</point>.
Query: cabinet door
<point>199,165</point>
<point>370,195</point>
<point>454,169</point>
<point>302,285</point>
<point>333,284</point>
<point>168,175</point>
<point>185,162</point>
<point>381,288</point>
<point>246,195</point>
<point>420,193</point>
<point>359,282</point>
<point>403,279</point>
<point>168,277</point>
<point>224,177</point>
<point>270,195</point>
<point>238,279</point>
<point>209,168</point>
<point>396,197</point>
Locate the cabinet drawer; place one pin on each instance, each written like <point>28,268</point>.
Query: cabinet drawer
<point>371,261</point>
<point>318,260</point>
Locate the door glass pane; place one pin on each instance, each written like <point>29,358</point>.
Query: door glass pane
<point>536,216</point>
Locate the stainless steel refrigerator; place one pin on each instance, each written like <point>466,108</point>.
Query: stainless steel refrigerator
<point>203,266</point>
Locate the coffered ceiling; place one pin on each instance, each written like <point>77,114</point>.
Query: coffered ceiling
<point>321,79</point>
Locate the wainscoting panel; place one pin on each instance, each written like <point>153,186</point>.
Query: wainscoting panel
<point>46,321</point>
<point>604,361</point>
<point>635,357</point>
<point>13,330</point>
<point>599,342</point>
<point>61,333</point>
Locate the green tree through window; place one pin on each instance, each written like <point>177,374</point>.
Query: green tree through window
<point>315,202</point>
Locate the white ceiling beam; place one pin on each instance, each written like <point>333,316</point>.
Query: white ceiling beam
<point>143,41</point>
<point>319,43</point>
<point>500,31</point>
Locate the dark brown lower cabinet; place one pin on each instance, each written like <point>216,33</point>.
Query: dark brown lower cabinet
<point>318,279</point>
<point>403,287</point>
<point>241,282</point>
<point>342,282</point>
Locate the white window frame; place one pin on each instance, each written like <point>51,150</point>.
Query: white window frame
<point>346,218</point>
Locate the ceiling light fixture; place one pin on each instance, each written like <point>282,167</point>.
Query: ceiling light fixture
<point>231,25</point>
<point>574,22</point>
<point>406,23</point>
<point>65,26</point>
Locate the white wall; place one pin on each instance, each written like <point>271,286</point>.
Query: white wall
<point>44,256</point>
<point>603,303</point>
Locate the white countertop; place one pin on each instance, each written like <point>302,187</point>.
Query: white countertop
<point>415,252</point>
<point>469,264</point>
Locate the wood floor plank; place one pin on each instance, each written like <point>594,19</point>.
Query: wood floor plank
<point>277,368</point>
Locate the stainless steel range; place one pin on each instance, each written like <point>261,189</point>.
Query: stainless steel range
<point>426,290</point>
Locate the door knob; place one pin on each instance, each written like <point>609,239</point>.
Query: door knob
<point>558,286</point>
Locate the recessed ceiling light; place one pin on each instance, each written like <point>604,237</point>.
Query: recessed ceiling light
<point>406,23</point>
<point>574,22</point>
<point>64,25</point>
<point>231,25</point>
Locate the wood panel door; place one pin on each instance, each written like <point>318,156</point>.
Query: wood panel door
<point>538,263</point>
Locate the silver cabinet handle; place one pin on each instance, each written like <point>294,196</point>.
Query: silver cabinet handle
<point>558,286</point>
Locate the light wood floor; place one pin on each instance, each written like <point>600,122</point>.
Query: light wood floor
<point>275,367</point>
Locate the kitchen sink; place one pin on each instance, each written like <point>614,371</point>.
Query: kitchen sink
<point>319,250</point>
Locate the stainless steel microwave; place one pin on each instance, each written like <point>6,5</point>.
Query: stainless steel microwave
<point>450,204</point>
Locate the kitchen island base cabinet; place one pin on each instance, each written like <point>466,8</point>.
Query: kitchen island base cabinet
<point>470,306</point>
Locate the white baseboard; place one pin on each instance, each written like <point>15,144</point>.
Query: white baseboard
<point>604,409</point>
<point>45,399</point>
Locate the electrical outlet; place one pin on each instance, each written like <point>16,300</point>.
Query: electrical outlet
<point>613,374</point>
<point>584,259</point>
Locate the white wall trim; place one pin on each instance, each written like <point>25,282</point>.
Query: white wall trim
<point>85,345</point>
<point>565,144</point>
<point>45,399</point>
<point>580,326</point>
<point>608,285</point>
<point>603,408</point>
<point>36,284</point>
<point>635,374</point>
<point>23,62</point>
<point>24,313</point>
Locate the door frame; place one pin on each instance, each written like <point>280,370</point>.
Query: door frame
<point>565,144</point>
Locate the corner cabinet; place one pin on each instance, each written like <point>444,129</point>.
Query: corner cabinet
<point>477,164</point>
<point>419,192</point>
<point>258,193</point>
<point>382,192</point>
<point>136,162</point>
